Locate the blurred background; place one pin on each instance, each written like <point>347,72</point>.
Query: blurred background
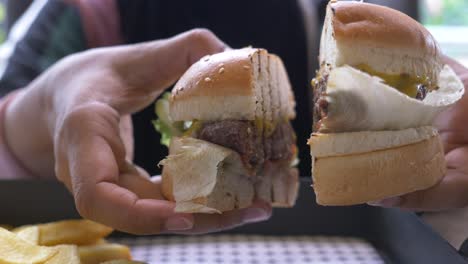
<point>447,20</point>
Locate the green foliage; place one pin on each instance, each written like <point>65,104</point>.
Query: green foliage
<point>163,124</point>
<point>2,12</point>
<point>454,12</point>
<point>2,21</point>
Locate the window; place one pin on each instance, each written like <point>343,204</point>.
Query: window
<point>447,20</point>
<point>2,20</point>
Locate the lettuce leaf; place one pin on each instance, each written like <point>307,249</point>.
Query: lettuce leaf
<point>164,125</point>
<point>295,161</point>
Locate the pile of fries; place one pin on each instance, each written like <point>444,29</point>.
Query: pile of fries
<point>69,241</point>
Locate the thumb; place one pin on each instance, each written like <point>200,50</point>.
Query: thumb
<point>457,67</point>
<point>147,69</point>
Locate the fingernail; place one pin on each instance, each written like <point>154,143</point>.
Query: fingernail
<point>178,223</point>
<point>389,202</point>
<point>252,215</point>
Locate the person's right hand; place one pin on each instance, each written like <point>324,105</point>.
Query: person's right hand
<point>452,191</point>
<point>75,120</point>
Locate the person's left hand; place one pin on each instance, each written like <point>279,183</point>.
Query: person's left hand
<point>452,191</point>
<point>75,120</point>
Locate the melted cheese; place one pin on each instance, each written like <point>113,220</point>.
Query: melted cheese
<point>404,83</point>
<point>358,101</point>
<point>194,126</point>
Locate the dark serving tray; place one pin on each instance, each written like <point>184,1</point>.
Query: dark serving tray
<point>399,237</point>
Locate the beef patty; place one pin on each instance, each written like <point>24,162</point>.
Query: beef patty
<point>241,136</point>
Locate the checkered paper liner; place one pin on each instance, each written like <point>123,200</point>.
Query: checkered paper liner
<point>251,249</point>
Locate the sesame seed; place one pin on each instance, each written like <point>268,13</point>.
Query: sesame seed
<point>207,79</point>
<point>246,67</point>
<point>221,70</point>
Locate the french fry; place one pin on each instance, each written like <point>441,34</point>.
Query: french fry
<point>14,250</point>
<point>100,253</point>
<point>7,227</point>
<point>76,232</point>
<point>123,261</point>
<point>28,233</point>
<point>69,241</point>
<point>19,228</point>
<point>100,242</point>
<point>66,254</point>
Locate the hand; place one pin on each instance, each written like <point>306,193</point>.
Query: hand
<point>75,120</point>
<point>452,191</point>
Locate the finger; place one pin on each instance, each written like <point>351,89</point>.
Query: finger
<point>121,209</point>
<point>138,181</point>
<point>149,68</point>
<point>451,192</point>
<point>452,139</point>
<point>207,223</point>
<point>126,133</point>
<point>451,125</point>
<point>93,148</point>
<point>61,168</point>
<point>455,65</point>
<point>100,199</point>
<point>79,127</point>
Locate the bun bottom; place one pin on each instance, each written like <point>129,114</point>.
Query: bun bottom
<point>372,176</point>
<point>201,177</point>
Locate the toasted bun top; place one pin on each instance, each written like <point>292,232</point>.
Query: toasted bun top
<point>243,84</point>
<point>386,40</point>
<point>222,74</point>
<point>389,28</point>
